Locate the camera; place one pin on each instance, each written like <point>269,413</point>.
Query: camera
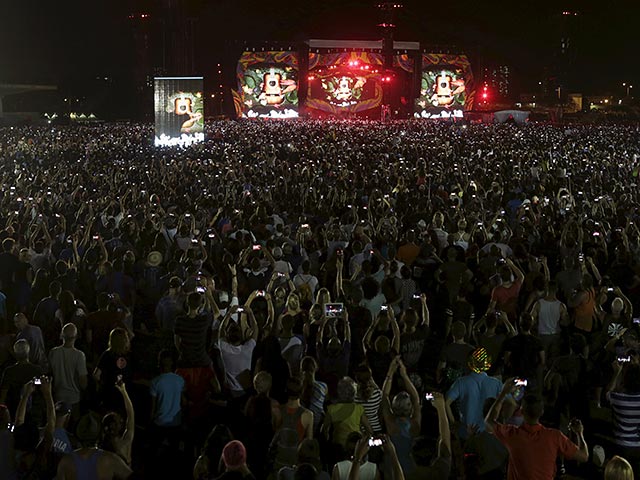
<point>428,396</point>
<point>384,308</point>
<point>624,359</point>
<point>333,310</point>
<point>610,289</point>
<point>257,247</point>
<point>37,380</point>
<point>521,382</point>
<point>201,289</point>
<point>376,441</point>
<point>240,309</point>
<point>261,293</point>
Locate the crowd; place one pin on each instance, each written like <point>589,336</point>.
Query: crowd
<point>320,300</point>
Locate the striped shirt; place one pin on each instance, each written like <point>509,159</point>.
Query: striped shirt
<point>626,418</point>
<point>193,340</point>
<point>372,408</point>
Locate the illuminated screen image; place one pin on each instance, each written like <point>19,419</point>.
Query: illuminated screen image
<point>179,111</point>
<point>267,85</point>
<point>444,87</point>
<point>347,82</point>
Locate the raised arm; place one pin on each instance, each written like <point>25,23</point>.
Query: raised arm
<point>491,420</point>
<point>131,420</point>
<point>426,319</point>
<point>516,271</point>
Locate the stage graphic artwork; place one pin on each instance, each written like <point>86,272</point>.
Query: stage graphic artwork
<point>267,85</point>
<point>445,87</point>
<point>179,111</point>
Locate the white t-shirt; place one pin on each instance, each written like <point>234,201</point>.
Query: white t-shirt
<point>236,360</point>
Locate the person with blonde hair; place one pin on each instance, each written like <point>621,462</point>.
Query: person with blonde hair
<point>618,469</point>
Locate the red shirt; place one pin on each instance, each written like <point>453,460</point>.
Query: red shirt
<point>533,450</point>
<point>506,298</point>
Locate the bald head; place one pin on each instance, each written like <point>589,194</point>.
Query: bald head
<point>21,350</point>
<point>69,332</point>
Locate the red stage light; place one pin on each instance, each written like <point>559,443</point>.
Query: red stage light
<point>484,95</point>
<point>311,77</point>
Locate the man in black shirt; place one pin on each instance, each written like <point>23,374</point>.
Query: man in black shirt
<point>524,354</point>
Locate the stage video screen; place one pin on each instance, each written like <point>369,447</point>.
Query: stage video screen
<point>442,93</point>
<point>267,85</point>
<point>179,111</point>
<point>345,83</point>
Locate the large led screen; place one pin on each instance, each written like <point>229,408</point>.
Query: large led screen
<point>267,85</point>
<point>348,82</point>
<point>179,111</point>
<point>445,87</point>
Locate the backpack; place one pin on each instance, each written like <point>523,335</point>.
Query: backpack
<point>286,440</point>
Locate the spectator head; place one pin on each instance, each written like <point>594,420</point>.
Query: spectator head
<point>61,268</point>
<point>505,274</point>
<point>119,341</point>
<point>306,267</point>
<point>618,469</point>
<point>355,295</point>
<point>526,322</point>
<point>262,383</point>
<point>103,300</point>
<point>194,301</point>
<point>303,471</point>
<point>532,408</point>
<point>382,344</point>
<point>112,427</point>
<point>234,455</point>
<point>21,350</point>
<point>294,388</point>
<point>346,390</point>
<point>334,346</point>
<point>405,271</point>
<point>219,436</point>
<point>458,330</point>
<point>323,297</point>
<point>69,333</point>
<point>24,255</point>
<point>370,288</point>
<point>293,301</point>
<point>234,333</point>
<point>631,379</point>
<point>352,442</point>
<point>401,405</point>
<point>309,453</point>
<point>20,321</point>
<point>552,288</point>
<point>8,244</point>
<point>316,312</point>
<point>166,362</point>
<point>175,284</point>
<point>617,305</point>
<point>577,343</point>
<point>410,318</point>
<point>38,246</point>
<point>479,360</point>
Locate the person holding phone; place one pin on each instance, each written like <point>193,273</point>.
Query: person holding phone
<point>534,448</point>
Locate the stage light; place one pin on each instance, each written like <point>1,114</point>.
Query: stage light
<point>484,95</point>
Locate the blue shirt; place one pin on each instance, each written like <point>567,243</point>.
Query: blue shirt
<point>472,390</point>
<point>167,389</point>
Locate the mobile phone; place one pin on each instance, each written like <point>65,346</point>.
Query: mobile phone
<point>119,379</point>
<point>636,320</point>
<point>96,237</point>
<point>376,441</point>
<point>37,380</point>
<point>212,235</point>
<point>280,274</point>
<point>261,293</point>
<point>333,310</point>
<point>416,296</point>
<point>201,289</point>
<point>521,382</point>
<point>428,396</point>
<point>257,247</point>
<point>610,289</point>
<point>305,225</point>
<point>596,234</point>
<point>624,359</point>
<point>384,308</point>
<point>240,309</point>
<point>339,252</point>
<point>194,241</point>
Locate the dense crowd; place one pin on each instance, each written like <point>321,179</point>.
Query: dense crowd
<point>315,300</point>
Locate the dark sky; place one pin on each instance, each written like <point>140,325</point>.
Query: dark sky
<point>57,42</point>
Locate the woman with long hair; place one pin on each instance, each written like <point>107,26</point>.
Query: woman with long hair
<point>618,469</point>
<point>369,396</point>
<point>314,392</point>
<point>113,367</point>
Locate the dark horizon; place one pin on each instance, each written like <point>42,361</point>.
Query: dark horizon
<point>68,43</point>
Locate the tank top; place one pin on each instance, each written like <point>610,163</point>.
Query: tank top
<point>549,317</point>
<point>367,470</point>
<point>86,468</point>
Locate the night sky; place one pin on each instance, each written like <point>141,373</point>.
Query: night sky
<point>68,41</point>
